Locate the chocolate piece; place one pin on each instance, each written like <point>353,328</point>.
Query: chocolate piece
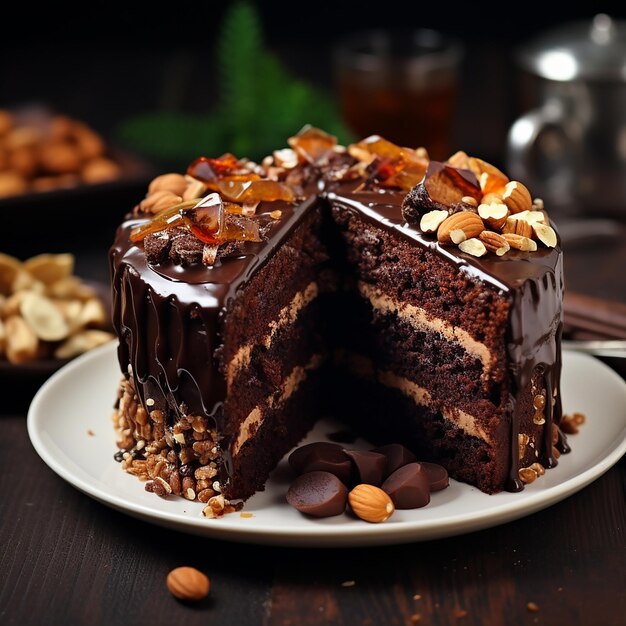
<point>397,455</point>
<point>370,466</point>
<point>408,487</point>
<point>323,456</point>
<point>320,494</point>
<point>437,475</point>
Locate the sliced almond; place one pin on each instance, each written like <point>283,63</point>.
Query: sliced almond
<point>9,267</point>
<point>517,197</point>
<point>460,226</point>
<point>494,242</point>
<point>519,242</point>
<point>68,288</point>
<point>473,246</point>
<point>430,222</point>
<point>49,268</point>
<point>70,309</point>
<point>92,313</point>
<point>24,281</point>
<point>545,234</point>
<point>45,320</point>
<point>532,217</point>
<point>82,341</point>
<point>21,342</point>
<point>490,198</point>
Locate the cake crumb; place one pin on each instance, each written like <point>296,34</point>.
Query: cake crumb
<point>348,583</point>
<point>246,515</point>
<point>533,607</point>
<point>91,433</point>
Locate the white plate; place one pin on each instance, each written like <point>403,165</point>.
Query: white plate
<point>69,424</point>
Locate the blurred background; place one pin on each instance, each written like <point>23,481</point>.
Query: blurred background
<point>163,85</point>
<point>110,62</point>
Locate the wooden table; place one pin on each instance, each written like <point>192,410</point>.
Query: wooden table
<point>66,559</point>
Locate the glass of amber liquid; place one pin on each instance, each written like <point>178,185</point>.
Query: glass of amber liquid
<point>401,86</point>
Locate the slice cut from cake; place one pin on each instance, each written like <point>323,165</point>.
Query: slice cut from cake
<point>423,299</point>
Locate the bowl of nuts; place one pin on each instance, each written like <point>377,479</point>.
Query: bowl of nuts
<point>48,316</point>
<point>60,169</point>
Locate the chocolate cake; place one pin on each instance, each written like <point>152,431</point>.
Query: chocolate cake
<point>417,301</point>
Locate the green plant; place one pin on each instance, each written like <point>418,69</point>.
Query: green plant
<point>259,104</point>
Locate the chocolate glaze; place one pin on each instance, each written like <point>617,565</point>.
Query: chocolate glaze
<point>169,317</point>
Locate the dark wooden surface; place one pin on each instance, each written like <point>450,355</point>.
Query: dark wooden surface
<point>66,559</point>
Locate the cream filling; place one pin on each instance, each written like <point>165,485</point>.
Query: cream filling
<point>286,316</point>
<point>254,419</point>
<point>363,367</point>
<point>421,320</point>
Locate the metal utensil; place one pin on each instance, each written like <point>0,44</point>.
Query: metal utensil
<point>604,347</point>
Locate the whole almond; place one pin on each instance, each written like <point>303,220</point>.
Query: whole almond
<point>370,503</point>
<point>460,226</point>
<point>188,583</point>
<point>176,183</point>
<point>158,201</point>
<point>517,197</point>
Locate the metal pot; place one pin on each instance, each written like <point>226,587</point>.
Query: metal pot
<point>571,150</point>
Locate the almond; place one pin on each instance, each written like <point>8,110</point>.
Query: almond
<point>532,217</point>
<point>21,342</point>
<point>195,189</point>
<point>520,242</point>
<point>370,503</point>
<point>494,242</point>
<point>469,200</point>
<point>430,222</point>
<point>460,226</point>
<point>517,227</point>
<point>188,583</point>
<point>517,197</point>
<point>159,200</point>
<point>175,183</point>
<point>545,234</point>
<point>49,268</point>
<point>45,319</point>
<point>473,246</point>
<point>494,214</point>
